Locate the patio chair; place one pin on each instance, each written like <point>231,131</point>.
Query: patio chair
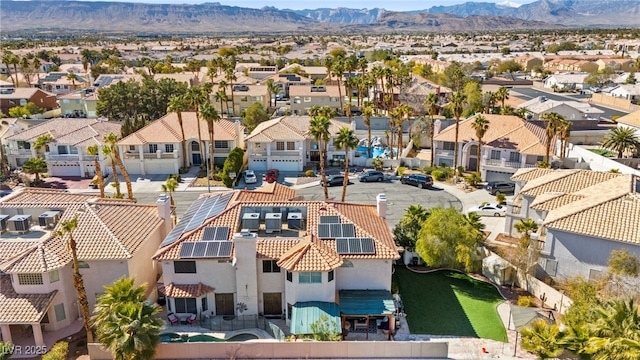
<point>191,319</point>
<point>173,319</point>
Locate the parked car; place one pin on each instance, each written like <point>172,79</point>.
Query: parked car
<point>489,210</point>
<point>501,186</point>
<point>420,180</point>
<point>371,175</point>
<point>250,177</point>
<point>271,175</point>
<point>334,180</point>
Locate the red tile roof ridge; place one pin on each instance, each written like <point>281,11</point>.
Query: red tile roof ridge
<point>108,231</point>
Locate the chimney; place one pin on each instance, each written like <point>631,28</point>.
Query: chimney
<point>239,134</point>
<point>246,268</point>
<point>381,202</point>
<point>164,212</point>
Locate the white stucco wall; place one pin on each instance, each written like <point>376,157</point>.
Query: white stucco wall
<point>100,273</point>
<point>325,291</point>
<point>365,274</point>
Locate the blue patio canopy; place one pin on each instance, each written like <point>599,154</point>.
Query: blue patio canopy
<point>366,302</point>
<point>304,314</point>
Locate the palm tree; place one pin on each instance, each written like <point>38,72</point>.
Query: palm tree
<point>367,113</point>
<point>404,111</point>
<point>111,140</point>
<point>6,60</point>
<point>615,334</point>
<point>542,339</point>
<point>41,143</point>
<point>565,133</point>
<point>553,120</point>
<point>621,140</point>
<point>319,129</point>
<point>432,104</point>
<point>210,116</point>
<point>194,98</point>
<point>73,78</point>
<point>502,94</point>
<point>337,69</point>
<point>126,323</point>
<point>231,77</point>
<point>106,151</point>
<point>480,124</point>
<point>489,99</point>
<point>456,104</point>
<point>169,187</point>
<point>178,104</point>
<point>66,229</point>
<point>35,166</point>
<point>95,152</point>
<point>526,255</point>
<point>346,140</point>
<point>273,89</point>
<point>221,96</point>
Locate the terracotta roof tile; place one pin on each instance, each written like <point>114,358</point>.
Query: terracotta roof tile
<point>185,290</point>
<point>22,308</point>
<point>268,192</point>
<point>310,254</point>
<point>36,197</point>
<point>273,249</point>
<point>548,202</point>
<point>288,128</point>
<point>572,182</point>
<point>526,174</point>
<point>77,132</point>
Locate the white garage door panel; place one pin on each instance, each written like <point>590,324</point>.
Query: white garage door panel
<point>157,167</point>
<point>258,165</point>
<point>286,165</point>
<point>62,170</point>
<point>498,176</point>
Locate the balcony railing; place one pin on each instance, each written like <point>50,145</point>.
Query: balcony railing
<point>506,164</point>
<point>444,152</point>
<point>150,156</point>
<point>62,157</point>
<point>20,152</point>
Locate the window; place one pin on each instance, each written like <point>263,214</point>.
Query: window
<point>30,279</point>
<point>63,150</point>
<point>24,145</point>
<point>540,158</point>
<point>204,304</point>
<point>59,310</point>
<point>514,157</point>
<point>244,98</point>
<point>291,145</point>
<point>184,267</point>
<point>551,267</point>
<point>289,276</point>
<point>82,264</point>
<point>168,148</point>
<point>331,275</point>
<point>296,100</point>
<point>310,278</point>
<point>221,144</point>
<point>132,148</point>
<point>54,276</point>
<point>195,146</point>
<point>186,305</point>
<point>473,150</point>
<point>307,99</point>
<point>73,150</point>
<point>495,154</point>
<point>447,145</point>
<point>153,148</point>
<point>280,145</point>
<point>270,266</point>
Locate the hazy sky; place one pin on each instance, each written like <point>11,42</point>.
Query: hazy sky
<point>399,5</point>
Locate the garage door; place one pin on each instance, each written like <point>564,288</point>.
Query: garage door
<point>64,170</point>
<point>159,167</point>
<point>498,176</point>
<point>286,164</point>
<point>258,164</point>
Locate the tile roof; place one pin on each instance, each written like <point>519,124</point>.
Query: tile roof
<point>330,91</point>
<point>505,132</point>
<point>288,128</point>
<point>526,174</point>
<point>185,290</point>
<point>269,249</point>
<point>267,192</point>
<point>167,130</point>
<point>76,132</point>
<point>23,93</point>
<point>22,308</point>
<point>632,119</point>
<point>310,254</point>
<point>572,181</point>
<point>252,90</point>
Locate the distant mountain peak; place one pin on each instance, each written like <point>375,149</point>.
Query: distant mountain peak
<point>509,4</point>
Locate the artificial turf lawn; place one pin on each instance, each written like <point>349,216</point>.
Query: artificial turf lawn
<point>450,303</point>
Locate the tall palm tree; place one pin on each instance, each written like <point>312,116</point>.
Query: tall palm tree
<point>456,104</point>
<point>553,121</point>
<point>6,60</point>
<point>95,152</point>
<point>41,143</point>
<point>480,124</point>
<point>178,104</point>
<point>35,166</point>
<point>14,60</point>
<point>126,323</point>
<point>404,111</point>
<point>432,103</point>
<point>27,69</point>
<point>221,96</point>
<point>231,77</point>
<point>169,187</point>
<point>66,229</point>
<point>73,78</point>
<point>106,151</point>
<point>210,116</point>
<point>489,100</point>
<point>565,133</point>
<point>111,140</point>
<point>367,113</point>
<point>319,129</point>
<point>194,98</point>
<point>337,69</point>
<point>502,94</point>
<point>273,89</point>
<point>346,140</point>
<point>621,140</point>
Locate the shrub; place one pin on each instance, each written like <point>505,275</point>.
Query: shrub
<point>176,177</point>
<point>460,170</point>
<point>438,175</point>
<point>377,163</point>
<point>615,118</point>
<point>400,171</point>
<point>428,169</point>
<point>232,164</point>
<point>543,165</point>
<point>58,351</point>
<point>309,173</point>
<point>473,179</point>
<point>526,301</point>
<point>501,198</point>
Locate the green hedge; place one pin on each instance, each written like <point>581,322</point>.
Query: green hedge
<point>232,164</point>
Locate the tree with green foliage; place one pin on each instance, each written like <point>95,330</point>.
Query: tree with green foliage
<point>527,254</point>
<point>542,339</point>
<point>405,233</point>
<point>447,239</point>
<point>169,187</point>
<point>41,144</point>
<point>35,166</point>
<point>126,323</point>
<point>456,105</point>
<point>346,140</point>
<point>481,125</point>
<point>324,329</point>
<point>94,151</point>
<point>319,130</point>
<point>58,351</point>
<point>473,94</point>
<point>631,78</point>
<point>509,67</point>
<point>232,164</point>
<point>553,121</point>
<point>367,113</point>
<point>178,105</point>
<point>6,349</point>
<point>194,98</point>
<point>273,90</point>
<point>455,76</point>
<point>600,78</point>
<point>432,104</point>
<point>621,140</point>
<point>211,117</point>
<point>254,115</point>
<point>111,141</point>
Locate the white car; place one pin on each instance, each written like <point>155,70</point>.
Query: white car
<point>250,177</point>
<point>489,210</point>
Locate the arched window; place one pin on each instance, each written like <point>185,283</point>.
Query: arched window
<point>195,146</point>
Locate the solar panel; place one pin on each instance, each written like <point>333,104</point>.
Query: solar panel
<point>225,249</point>
<point>220,205</point>
<point>348,230</point>
<point>342,246</point>
<point>187,249</point>
<point>199,249</point>
<point>324,231</point>
<point>222,233</point>
<point>201,214</point>
<point>179,229</point>
<point>329,219</point>
<point>212,248</point>
<point>368,247</point>
<point>354,246</point>
<point>209,233</point>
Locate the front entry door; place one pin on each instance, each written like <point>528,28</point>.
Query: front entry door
<point>196,159</point>
<point>224,304</point>
<point>272,303</point>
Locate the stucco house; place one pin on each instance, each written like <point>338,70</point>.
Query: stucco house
<point>157,147</point>
<point>115,238</point>
<point>275,256</point>
<point>312,72</point>
<point>583,216</point>
<point>243,97</point>
<point>566,81</point>
<point>79,104</point>
<point>283,143</point>
<point>509,144</point>
<point>302,98</point>
<point>12,97</point>
<point>67,154</point>
<point>627,91</point>
<point>571,110</point>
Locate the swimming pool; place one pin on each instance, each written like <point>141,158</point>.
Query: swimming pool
<point>181,338</point>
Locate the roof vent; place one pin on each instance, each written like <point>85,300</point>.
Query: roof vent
<point>49,219</point>
<point>273,222</point>
<point>320,88</point>
<point>240,88</point>
<point>20,223</point>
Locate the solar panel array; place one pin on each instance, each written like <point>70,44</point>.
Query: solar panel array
<point>215,233</point>
<point>331,231</point>
<point>206,249</point>
<point>362,246</point>
<point>329,219</point>
<point>200,210</point>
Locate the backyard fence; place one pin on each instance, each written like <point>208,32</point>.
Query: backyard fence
<point>224,323</point>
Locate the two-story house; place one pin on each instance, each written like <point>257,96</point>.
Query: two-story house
<point>571,110</point>
<point>509,144</point>
<point>284,143</point>
<point>157,147</point>
<point>312,72</point>
<point>566,81</point>
<point>79,104</point>
<point>273,256</point>
<point>583,215</point>
<point>114,238</point>
<point>286,81</point>
<point>243,97</point>
<point>302,98</point>
<point>12,97</point>
<point>66,154</point>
